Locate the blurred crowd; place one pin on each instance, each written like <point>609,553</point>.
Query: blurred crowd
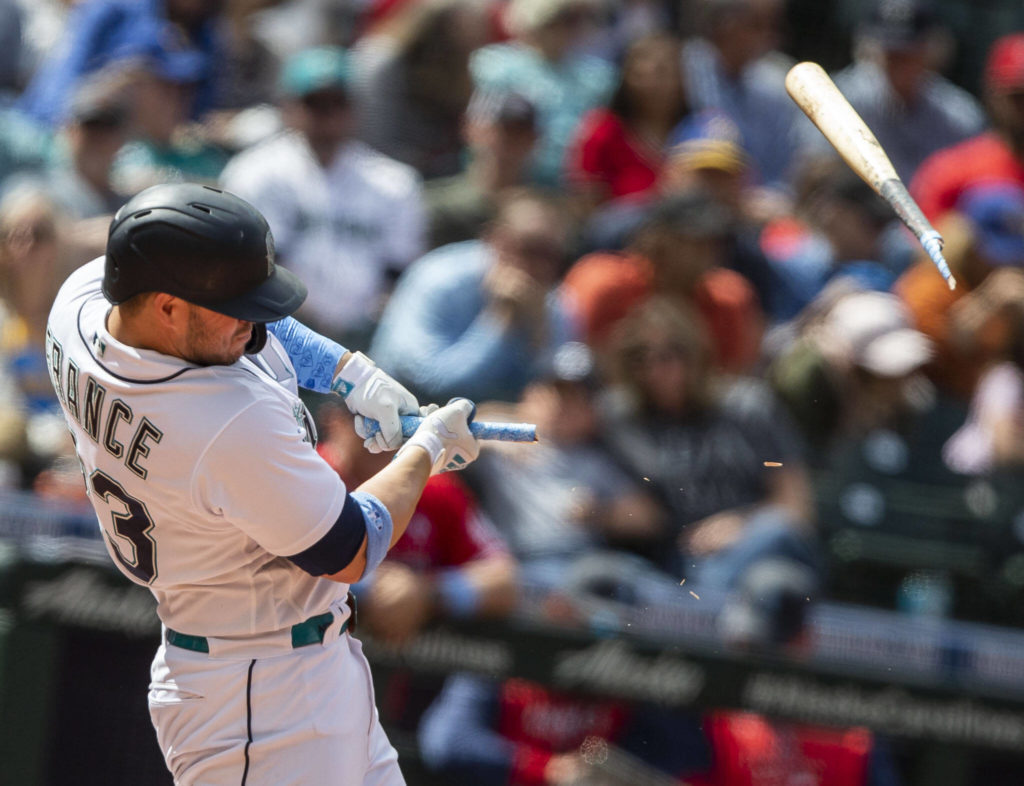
<point>605,217</point>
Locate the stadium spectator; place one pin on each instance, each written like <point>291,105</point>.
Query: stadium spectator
<point>500,131</point>
<point>164,146</point>
<point>413,82</point>
<point>619,150</point>
<point>32,264</point>
<point>854,366</point>
<point>892,84</point>
<point>477,318</point>
<point>344,217</point>
<point>679,253</point>
<point>733,67</point>
<point>994,155</point>
<point>590,503</point>
<point>182,35</point>
<point>722,455</point>
<point>542,63</point>
<point>520,733</point>
<point>79,177</point>
<point>972,324</point>
<point>839,228</point>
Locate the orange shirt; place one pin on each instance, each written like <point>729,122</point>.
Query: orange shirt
<point>604,287</point>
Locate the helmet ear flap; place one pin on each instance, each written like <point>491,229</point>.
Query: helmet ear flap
<point>257,340</point>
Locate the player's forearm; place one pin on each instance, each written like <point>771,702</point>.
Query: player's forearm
<point>399,485</point>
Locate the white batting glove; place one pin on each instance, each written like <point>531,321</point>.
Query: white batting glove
<point>445,435</point>
<point>370,393</point>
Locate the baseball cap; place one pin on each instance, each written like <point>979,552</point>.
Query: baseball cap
<point>1004,70</point>
<point>996,212</point>
<point>98,101</point>
<point>708,140</point>
<point>896,24</point>
<point>504,107</point>
<point>876,330</point>
<point>312,70</point>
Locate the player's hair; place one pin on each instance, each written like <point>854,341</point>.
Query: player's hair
<point>622,103</point>
<point>680,325</point>
<point>131,307</point>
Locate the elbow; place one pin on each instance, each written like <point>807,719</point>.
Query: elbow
<point>352,572</point>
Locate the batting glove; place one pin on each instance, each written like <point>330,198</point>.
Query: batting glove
<point>370,393</point>
<point>445,435</point>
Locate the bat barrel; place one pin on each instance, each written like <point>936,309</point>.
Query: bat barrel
<point>504,432</point>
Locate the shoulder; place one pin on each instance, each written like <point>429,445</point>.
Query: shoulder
<point>279,153</point>
<point>455,264</point>
<point>386,175</point>
<point>494,60</point>
<point>748,399</point>
<point>601,125</point>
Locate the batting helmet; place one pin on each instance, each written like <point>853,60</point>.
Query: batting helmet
<point>203,245</point>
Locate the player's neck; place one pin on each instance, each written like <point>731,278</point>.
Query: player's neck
<point>135,333</point>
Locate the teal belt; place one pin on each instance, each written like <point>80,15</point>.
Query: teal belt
<point>303,634</point>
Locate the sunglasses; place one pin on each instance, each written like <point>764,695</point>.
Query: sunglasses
<point>325,103</point>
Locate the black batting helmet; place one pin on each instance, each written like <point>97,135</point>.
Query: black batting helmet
<point>203,245</point>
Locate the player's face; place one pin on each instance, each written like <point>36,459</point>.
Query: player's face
<point>213,339</point>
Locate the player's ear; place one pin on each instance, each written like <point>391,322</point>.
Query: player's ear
<point>168,311</point>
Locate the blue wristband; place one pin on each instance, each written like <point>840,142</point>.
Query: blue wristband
<point>314,356</point>
<point>458,596</point>
<point>379,529</point>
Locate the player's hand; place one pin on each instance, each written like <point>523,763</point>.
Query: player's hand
<point>370,393</point>
<point>445,435</point>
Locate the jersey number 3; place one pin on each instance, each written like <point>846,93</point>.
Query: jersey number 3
<point>133,524</point>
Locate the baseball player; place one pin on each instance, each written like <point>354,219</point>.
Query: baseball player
<point>177,367</point>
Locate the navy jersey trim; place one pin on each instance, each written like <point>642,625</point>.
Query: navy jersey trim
<point>88,348</point>
<point>339,546</point>
<point>248,720</point>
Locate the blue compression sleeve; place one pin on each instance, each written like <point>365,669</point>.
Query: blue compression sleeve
<point>379,529</point>
<point>314,356</point>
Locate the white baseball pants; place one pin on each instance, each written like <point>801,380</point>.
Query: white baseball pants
<point>304,717</point>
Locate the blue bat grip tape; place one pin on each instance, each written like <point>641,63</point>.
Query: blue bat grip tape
<point>504,432</point>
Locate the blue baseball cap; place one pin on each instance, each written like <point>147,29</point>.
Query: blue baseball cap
<point>996,210</point>
<point>312,70</point>
<point>708,140</point>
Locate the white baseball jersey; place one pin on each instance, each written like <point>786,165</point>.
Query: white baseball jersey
<point>339,229</point>
<point>200,476</point>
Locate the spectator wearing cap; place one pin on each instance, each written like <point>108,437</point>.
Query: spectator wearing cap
<point>478,318</point>
<point>541,62</point>
<point>997,154</point>
<point>678,252</point>
<point>732,67</point>
<point>500,130</point>
<point>165,146</point>
<point>851,368</point>
<point>79,177</point>
<point>619,150</point>
<point>413,82</point>
<point>181,35</point>
<point>345,217</point>
<point>974,324</point>
<point>590,503</point>
<point>893,85</point>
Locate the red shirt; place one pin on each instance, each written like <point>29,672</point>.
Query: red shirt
<point>750,750</point>
<point>446,530</point>
<point>607,154</point>
<point>943,176</point>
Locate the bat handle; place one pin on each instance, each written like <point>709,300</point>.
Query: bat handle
<point>895,193</point>
<point>505,432</point>
<point>932,242</point>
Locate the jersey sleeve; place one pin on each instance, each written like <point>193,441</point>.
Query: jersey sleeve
<point>262,475</point>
